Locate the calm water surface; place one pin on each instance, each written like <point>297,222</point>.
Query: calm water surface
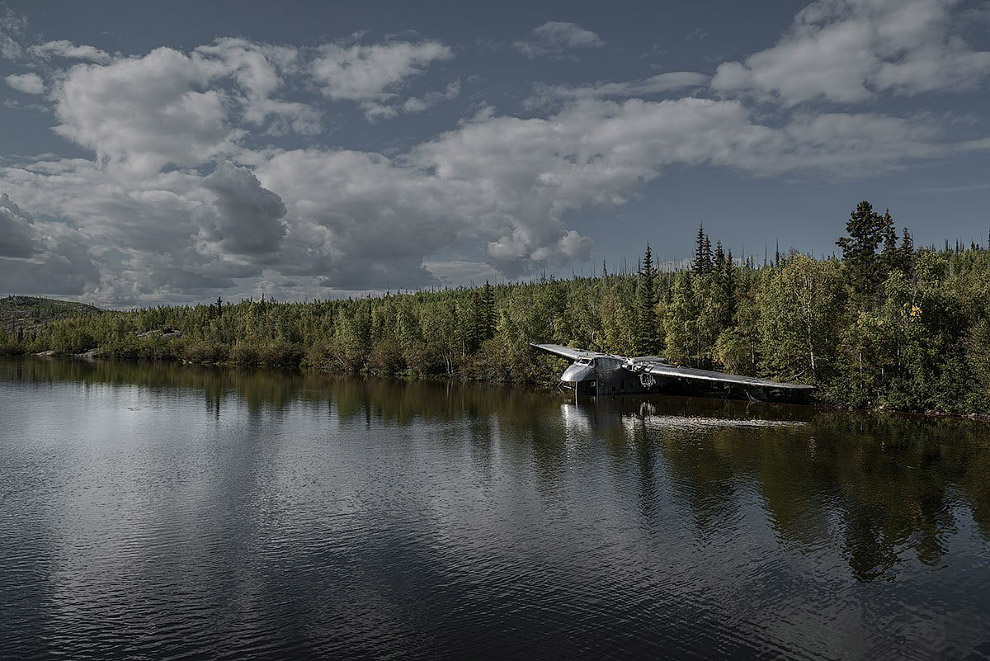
<point>180,512</point>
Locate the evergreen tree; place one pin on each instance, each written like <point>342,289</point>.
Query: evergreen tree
<point>490,315</point>
<point>702,252</point>
<point>647,340</point>
<point>476,323</point>
<point>866,230</point>
<point>682,321</point>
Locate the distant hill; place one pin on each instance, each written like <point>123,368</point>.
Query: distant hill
<point>31,312</point>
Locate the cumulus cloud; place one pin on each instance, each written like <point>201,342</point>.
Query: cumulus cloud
<point>187,196</point>
<point>42,257</point>
<point>62,267</point>
<point>260,71</point>
<point>146,112</point>
<point>849,51</point>
<point>16,234</point>
<point>70,51</point>
<point>372,74</point>
<point>554,38</point>
<point>245,217</point>
<point>28,83</point>
<point>360,219</point>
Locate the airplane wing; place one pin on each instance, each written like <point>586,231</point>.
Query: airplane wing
<point>662,369</point>
<point>567,352</point>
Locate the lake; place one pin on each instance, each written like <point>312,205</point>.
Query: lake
<point>170,511</point>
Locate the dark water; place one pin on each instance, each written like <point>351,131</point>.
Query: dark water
<point>180,512</point>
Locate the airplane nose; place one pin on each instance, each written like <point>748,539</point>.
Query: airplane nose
<point>578,373</point>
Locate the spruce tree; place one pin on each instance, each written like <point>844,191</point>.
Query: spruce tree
<point>646,339</point>
<point>866,230</point>
<point>730,286</point>
<point>488,311</point>
<point>476,324</point>
<point>702,252</point>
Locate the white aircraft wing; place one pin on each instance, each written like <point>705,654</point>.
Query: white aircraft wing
<point>568,352</point>
<point>665,370</point>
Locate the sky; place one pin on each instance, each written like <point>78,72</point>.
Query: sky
<point>175,152</point>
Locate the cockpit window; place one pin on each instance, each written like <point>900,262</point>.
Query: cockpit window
<point>583,361</point>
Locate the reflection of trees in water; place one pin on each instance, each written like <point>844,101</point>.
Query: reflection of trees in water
<point>892,481</point>
<point>882,485</point>
<point>897,481</point>
<point>879,486</point>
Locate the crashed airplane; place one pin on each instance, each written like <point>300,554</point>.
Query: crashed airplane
<point>594,373</point>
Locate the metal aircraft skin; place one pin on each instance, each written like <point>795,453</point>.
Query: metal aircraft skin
<point>598,373</point>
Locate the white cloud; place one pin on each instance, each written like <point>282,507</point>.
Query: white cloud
<point>849,51</point>
<point>142,222</point>
<point>554,38</point>
<point>659,84</point>
<point>61,267</point>
<point>244,219</point>
<point>372,74</point>
<point>28,83</point>
<point>457,272</point>
<point>259,71</point>
<point>500,185</point>
<point>70,51</point>
<point>360,219</point>
<point>16,234</point>
<point>41,257</point>
<point>145,112</point>
<point>12,27</point>
<point>430,99</point>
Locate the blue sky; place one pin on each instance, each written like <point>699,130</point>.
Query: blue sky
<point>178,151</point>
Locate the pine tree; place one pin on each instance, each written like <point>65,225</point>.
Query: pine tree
<point>730,286</point>
<point>646,338</point>
<point>702,252</point>
<point>490,317</point>
<point>867,230</point>
<point>476,323</point>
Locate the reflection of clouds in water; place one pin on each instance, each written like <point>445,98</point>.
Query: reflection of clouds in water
<point>407,513</point>
<point>575,419</point>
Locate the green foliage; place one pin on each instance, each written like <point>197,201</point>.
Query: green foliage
<point>888,326</point>
<point>802,309</point>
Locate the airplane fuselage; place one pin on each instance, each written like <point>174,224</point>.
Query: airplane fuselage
<point>595,373</point>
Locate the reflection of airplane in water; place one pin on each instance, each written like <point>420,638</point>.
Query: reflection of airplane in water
<point>656,412</point>
<point>594,373</point>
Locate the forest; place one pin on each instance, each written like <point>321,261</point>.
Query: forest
<point>884,324</point>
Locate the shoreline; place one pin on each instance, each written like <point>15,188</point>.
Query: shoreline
<point>92,356</point>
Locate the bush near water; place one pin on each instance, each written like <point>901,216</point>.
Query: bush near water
<point>887,325</point>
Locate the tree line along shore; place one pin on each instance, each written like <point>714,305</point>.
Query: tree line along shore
<point>885,325</point>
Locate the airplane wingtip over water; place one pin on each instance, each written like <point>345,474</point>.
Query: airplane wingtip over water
<point>596,373</point>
